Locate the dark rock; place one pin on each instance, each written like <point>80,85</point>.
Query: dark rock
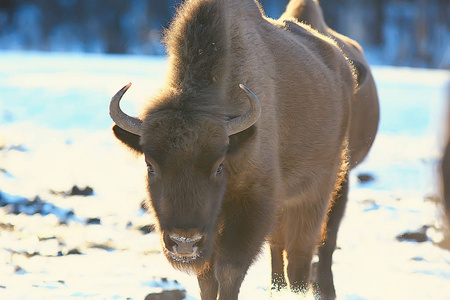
<point>147,228</point>
<point>46,238</point>
<point>76,191</point>
<point>74,251</point>
<point>169,289</point>
<point>417,258</point>
<point>365,177</point>
<point>2,201</point>
<point>17,205</point>
<point>419,236</point>
<point>167,295</point>
<point>69,214</point>
<point>144,205</point>
<point>19,270</point>
<point>93,221</point>
<point>7,226</point>
<point>108,246</point>
<point>14,209</point>
<point>36,206</point>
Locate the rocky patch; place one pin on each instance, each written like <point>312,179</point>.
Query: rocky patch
<point>418,236</point>
<point>365,177</point>
<point>19,205</point>
<point>75,191</point>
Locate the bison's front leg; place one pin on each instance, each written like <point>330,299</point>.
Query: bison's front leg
<point>246,224</point>
<point>208,284</point>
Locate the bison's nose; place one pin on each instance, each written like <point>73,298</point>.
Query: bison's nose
<point>185,245</point>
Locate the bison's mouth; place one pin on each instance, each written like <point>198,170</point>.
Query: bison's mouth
<point>181,258</point>
<point>192,264</point>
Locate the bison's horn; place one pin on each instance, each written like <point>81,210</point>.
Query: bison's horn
<point>123,120</point>
<point>249,118</point>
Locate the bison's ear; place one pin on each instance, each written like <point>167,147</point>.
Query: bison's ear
<point>128,138</point>
<point>361,71</point>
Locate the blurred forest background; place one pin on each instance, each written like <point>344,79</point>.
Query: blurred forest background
<point>412,33</point>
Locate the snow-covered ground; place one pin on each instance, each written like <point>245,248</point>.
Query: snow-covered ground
<point>55,132</point>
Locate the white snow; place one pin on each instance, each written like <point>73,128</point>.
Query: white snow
<point>55,132</point>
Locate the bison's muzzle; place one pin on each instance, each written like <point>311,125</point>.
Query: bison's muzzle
<point>184,248</point>
<point>187,246</point>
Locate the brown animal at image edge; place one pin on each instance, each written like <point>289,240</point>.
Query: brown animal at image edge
<point>363,128</point>
<point>248,141</point>
<point>445,165</point>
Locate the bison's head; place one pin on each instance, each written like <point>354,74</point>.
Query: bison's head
<point>186,154</point>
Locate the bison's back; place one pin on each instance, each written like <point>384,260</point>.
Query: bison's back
<point>365,107</point>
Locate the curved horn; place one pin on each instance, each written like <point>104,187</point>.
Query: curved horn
<point>123,120</point>
<point>249,118</point>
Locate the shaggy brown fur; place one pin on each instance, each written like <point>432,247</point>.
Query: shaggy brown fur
<point>365,108</point>
<point>230,190</point>
<point>445,166</point>
<point>363,128</point>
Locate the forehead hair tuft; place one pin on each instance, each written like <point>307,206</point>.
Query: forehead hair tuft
<point>197,43</point>
<point>182,132</point>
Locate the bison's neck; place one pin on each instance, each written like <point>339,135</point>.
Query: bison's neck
<point>207,42</point>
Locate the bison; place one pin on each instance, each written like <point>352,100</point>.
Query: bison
<point>246,142</point>
<point>363,127</point>
<point>445,165</point>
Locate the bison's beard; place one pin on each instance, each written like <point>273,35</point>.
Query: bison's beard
<point>190,264</point>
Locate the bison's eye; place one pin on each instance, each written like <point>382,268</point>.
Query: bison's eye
<point>150,169</point>
<point>219,169</point>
